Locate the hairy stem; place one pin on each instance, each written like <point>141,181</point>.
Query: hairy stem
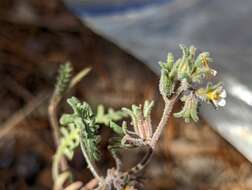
<point>167,110</point>
<point>118,162</point>
<point>169,103</point>
<point>143,163</point>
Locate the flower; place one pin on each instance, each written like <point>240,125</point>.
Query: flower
<point>201,68</point>
<point>217,97</point>
<point>205,59</point>
<point>214,94</point>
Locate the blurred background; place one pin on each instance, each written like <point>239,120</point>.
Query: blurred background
<point>123,40</point>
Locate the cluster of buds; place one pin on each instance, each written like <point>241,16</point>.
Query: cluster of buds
<point>192,71</point>
<point>141,122</point>
<point>190,109</point>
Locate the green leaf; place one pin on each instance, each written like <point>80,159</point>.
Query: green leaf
<point>69,141</point>
<point>81,123</point>
<point>191,57</point>
<point>166,84</point>
<point>116,128</point>
<point>168,71</point>
<point>67,119</point>
<point>131,114</point>
<point>170,61</point>
<point>63,79</point>
<point>184,66</point>
<point>147,108</point>
<point>190,109</point>
<point>111,115</point>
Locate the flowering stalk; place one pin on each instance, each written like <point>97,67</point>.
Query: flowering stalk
<point>169,103</point>
<point>186,71</point>
<point>179,80</point>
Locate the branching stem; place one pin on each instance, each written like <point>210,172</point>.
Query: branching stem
<point>118,162</point>
<point>169,103</point>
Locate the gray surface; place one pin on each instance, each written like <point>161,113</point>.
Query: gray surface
<point>223,27</point>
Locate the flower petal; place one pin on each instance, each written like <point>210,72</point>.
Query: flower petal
<point>215,103</point>
<point>222,102</point>
<point>213,72</point>
<point>223,94</point>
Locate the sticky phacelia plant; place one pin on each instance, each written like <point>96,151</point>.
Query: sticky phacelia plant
<point>183,80</point>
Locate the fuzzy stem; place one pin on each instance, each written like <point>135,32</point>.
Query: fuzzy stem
<point>169,103</point>
<point>167,111</point>
<point>143,163</point>
<point>118,162</point>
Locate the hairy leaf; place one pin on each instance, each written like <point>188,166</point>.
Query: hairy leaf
<point>104,118</point>
<point>84,119</point>
<point>116,128</point>
<point>190,109</point>
<point>63,79</point>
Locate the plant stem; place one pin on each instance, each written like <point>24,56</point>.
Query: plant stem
<point>117,160</point>
<point>143,163</point>
<point>55,167</point>
<point>169,103</point>
<point>166,113</point>
<point>52,110</point>
<point>91,184</point>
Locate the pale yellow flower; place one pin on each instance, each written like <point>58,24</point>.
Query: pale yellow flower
<point>214,94</point>
<point>217,97</point>
<point>204,58</point>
